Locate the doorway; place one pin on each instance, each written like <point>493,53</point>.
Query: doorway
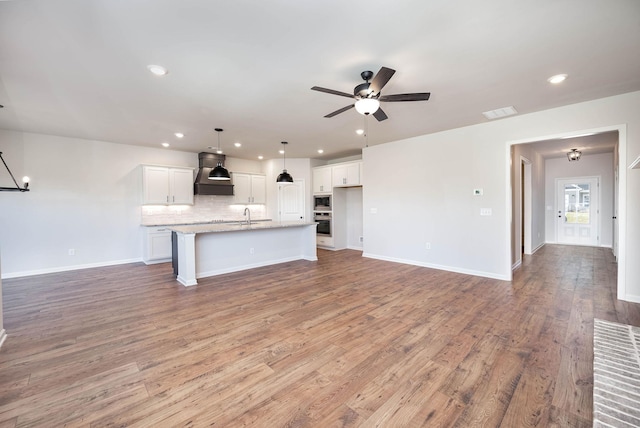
<point>578,209</point>
<point>291,197</point>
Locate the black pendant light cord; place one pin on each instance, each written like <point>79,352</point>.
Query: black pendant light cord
<point>17,188</point>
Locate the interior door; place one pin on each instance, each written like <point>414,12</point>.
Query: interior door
<point>291,198</point>
<point>577,211</point>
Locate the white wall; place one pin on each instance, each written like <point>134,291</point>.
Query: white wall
<point>600,165</point>
<point>427,196</point>
<point>354,217</point>
<point>85,195</point>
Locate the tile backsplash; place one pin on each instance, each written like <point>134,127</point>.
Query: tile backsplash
<point>205,209</point>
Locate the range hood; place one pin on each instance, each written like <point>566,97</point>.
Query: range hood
<point>204,186</point>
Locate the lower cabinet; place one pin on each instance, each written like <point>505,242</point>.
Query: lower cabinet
<point>324,241</point>
<point>157,245</point>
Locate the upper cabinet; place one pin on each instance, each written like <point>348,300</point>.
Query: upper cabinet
<point>322,179</point>
<point>249,188</point>
<point>347,174</point>
<point>167,186</point>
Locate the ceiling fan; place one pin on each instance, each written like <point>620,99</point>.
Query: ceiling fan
<point>368,97</point>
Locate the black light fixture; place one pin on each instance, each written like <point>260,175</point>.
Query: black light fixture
<point>219,173</point>
<point>17,188</point>
<point>574,155</point>
<point>284,177</point>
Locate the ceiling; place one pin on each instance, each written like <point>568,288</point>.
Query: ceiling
<point>587,144</point>
<point>78,68</point>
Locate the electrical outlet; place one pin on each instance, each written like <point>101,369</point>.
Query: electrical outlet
<point>72,252</point>
<point>427,246</point>
<point>361,239</point>
<point>251,251</point>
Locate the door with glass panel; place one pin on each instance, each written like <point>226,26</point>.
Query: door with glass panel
<point>577,211</point>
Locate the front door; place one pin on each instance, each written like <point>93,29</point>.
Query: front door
<point>577,211</point>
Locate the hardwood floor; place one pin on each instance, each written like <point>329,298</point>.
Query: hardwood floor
<point>342,342</point>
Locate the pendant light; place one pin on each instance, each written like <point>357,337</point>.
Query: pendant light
<point>219,173</point>
<point>285,177</point>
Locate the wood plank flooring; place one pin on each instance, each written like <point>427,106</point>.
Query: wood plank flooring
<point>342,342</point>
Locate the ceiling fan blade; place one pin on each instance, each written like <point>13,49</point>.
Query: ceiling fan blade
<point>418,96</point>
<point>342,110</point>
<point>380,115</point>
<point>331,91</point>
<point>380,79</point>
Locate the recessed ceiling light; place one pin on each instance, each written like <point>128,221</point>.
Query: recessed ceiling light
<point>359,131</point>
<point>179,134</point>
<point>260,157</point>
<point>165,144</point>
<point>158,70</point>
<point>281,152</point>
<point>320,151</point>
<point>558,78</point>
<point>219,151</point>
<point>237,144</point>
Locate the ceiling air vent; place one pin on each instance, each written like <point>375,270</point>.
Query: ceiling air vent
<point>500,113</point>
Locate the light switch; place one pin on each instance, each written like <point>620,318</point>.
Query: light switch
<point>485,211</point>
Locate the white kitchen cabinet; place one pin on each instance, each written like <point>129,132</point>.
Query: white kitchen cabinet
<point>167,186</point>
<point>324,241</point>
<point>347,174</point>
<point>157,245</point>
<point>249,188</point>
<point>322,179</point>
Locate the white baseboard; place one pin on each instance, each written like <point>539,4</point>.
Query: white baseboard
<point>631,298</point>
<point>3,336</point>
<point>68,268</point>
<point>516,265</point>
<point>439,267</point>
<point>537,248</point>
<point>353,247</point>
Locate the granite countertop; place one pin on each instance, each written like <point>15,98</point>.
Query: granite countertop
<point>196,222</point>
<point>236,226</point>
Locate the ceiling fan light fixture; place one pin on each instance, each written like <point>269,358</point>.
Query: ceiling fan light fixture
<point>367,106</point>
<point>574,155</point>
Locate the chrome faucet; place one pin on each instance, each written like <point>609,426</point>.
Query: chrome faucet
<point>247,214</point>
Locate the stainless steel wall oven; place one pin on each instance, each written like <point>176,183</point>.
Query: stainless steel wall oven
<point>324,224</point>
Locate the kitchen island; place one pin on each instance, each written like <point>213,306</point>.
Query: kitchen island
<point>205,250</point>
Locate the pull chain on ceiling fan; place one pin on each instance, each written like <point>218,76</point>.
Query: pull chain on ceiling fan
<point>368,96</point>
